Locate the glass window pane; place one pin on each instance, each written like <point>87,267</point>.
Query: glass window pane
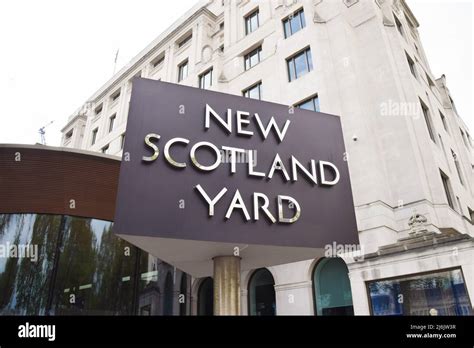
<point>295,24</point>
<point>440,293</point>
<point>287,29</point>
<point>303,20</point>
<point>307,105</point>
<point>301,65</point>
<point>291,69</point>
<point>310,60</point>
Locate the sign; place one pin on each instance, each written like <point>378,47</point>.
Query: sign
<point>219,170</point>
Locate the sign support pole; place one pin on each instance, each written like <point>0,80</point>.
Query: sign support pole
<point>226,285</point>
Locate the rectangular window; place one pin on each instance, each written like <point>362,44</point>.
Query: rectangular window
<point>253,92</point>
<point>294,23</point>
<point>205,79</point>
<point>437,293</point>
<point>471,214</point>
<point>158,61</point>
<point>94,136</point>
<point>115,96</point>
<point>185,40</point>
<point>458,167</point>
<point>311,104</point>
<point>122,141</point>
<point>399,26</point>
<point>69,134</point>
<point>426,115</point>
<point>447,189</point>
<point>98,109</point>
<point>443,119</point>
<point>105,149</point>
<point>411,64</point>
<point>111,122</point>
<point>183,71</point>
<point>299,64</point>
<point>253,58</point>
<point>251,22</point>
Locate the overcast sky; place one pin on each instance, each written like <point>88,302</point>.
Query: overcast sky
<point>56,53</point>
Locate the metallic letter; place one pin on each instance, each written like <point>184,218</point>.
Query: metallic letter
<point>278,165</point>
<point>227,125</point>
<point>199,165</point>
<point>280,210</point>
<point>322,175</point>
<point>210,201</point>
<point>237,202</point>
<point>264,207</point>
<point>270,125</point>
<point>148,142</point>
<point>296,164</point>
<point>166,151</point>
<point>241,121</point>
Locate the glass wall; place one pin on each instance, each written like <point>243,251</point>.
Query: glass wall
<point>63,265</point>
<point>438,293</point>
<point>205,305</point>
<point>332,288</point>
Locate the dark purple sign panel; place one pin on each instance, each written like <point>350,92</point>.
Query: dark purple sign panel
<point>207,166</point>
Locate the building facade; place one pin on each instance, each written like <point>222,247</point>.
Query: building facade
<point>409,152</point>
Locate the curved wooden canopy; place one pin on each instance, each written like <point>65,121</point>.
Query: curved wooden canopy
<point>52,180</point>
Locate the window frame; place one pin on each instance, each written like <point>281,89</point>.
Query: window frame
<point>202,78</point>
<point>250,88</point>
<point>312,99</point>
<point>292,61</point>
<point>288,19</point>
<point>181,66</point>
<point>248,57</point>
<point>248,21</point>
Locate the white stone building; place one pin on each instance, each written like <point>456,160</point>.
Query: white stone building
<point>409,152</point>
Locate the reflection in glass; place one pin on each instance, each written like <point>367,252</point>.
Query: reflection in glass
<point>80,268</point>
<point>262,293</point>
<point>440,293</point>
<point>332,288</point>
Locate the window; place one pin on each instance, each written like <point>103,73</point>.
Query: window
<point>439,293</point>
<point>253,58</point>
<point>185,40</point>
<point>261,293</point>
<point>411,64</point>
<point>447,189</point>
<point>69,134</point>
<point>299,64</point>
<point>332,287</point>
<point>221,48</point>
<point>105,149</point>
<point>311,104</point>
<point>453,105</point>
<point>251,22</point>
<point>183,71</point>
<point>205,79</point>
<point>94,136</point>
<point>158,60</point>
<point>221,25</point>
<point>115,96</point>
<point>443,119</point>
<point>122,141</point>
<point>458,167</point>
<point>98,110</point>
<point>471,214</point>
<point>205,301</point>
<point>253,92</point>
<point>294,23</point>
<point>111,122</point>
<point>399,26</point>
<point>426,114</point>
